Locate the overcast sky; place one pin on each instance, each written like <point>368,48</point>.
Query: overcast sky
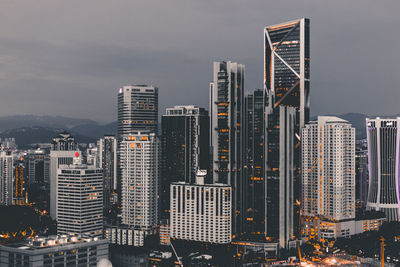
<point>70,57</point>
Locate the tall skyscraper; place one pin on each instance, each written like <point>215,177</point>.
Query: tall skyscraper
<point>286,84</point>
<point>201,212</point>
<point>361,174</point>
<point>185,147</point>
<point>137,109</point>
<point>383,158</point>
<point>79,199</point>
<point>254,164</point>
<point>280,174</point>
<point>328,169</point>
<point>226,109</point>
<point>139,157</point>
<point>287,66</point>
<point>6,177</point>
<point>62,153</point>
<point>107,153</point>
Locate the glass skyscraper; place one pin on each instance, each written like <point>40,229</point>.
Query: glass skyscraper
<point>286,84</point>
<point>185,142</point>
<point>254,163</point>
<point>287,66</point>
<point>226,109</point>
<point>107,158</point>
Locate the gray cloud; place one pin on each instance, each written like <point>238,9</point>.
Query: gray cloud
<point>70,57</point>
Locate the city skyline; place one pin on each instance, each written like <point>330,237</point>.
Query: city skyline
<point>253,174</point>
<point>61,74</point>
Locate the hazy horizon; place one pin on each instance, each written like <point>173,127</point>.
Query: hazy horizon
<point>70,58</point>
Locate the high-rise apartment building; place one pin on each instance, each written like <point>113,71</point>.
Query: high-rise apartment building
<point>139,156</point>
<point>328,169</point>
<point>137,109</point>
<point>6,177</point>
<point>201,212</point>
<point>383,137</point>
<point>226,109</point>
<point>62,153</point>
<point>107,160</point>
<point>254,163</point>
<point>286,84</point>
<point>185,147</point>
<point>79,199</point>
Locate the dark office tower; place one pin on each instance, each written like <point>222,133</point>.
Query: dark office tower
<point>226,108</point>
<point>107,160</point>
<point>286,83</point>
<point>38,167</point>
<point>137,109</point>
<point>19,194</point>
<point>185,147</point>
<point>254,164</point>
<point>37,170</point>
<point>361,174</point>
<point>280,173</point>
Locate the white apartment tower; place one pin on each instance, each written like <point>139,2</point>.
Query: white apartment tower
<point>328,169</point>
<point>139,157</point>
<point>62,152</point>
<point>79,199</point>
<point>201,212</point>
<point>57,158</point>
<point>6,177</point>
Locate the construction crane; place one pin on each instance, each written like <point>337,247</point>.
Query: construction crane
<point>179,260</point>
<point>299,251</point>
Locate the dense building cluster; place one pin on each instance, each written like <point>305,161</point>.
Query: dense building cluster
<point>251,171</point>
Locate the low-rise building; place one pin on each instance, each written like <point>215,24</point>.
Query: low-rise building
<point>125,235</point>
<point>320,228</point>
<point>201,212</point>
<point>60,250</point>
<point>165,235</point>
<point>127,256</point>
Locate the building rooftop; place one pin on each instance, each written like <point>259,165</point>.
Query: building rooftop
<point>329,119</point>
<point>40,242</point>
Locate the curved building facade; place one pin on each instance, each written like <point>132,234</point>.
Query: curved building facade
<point>383,157</point>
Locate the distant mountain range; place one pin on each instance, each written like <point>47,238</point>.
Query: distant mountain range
<point>358,121</point>
<point>26,137</point>
<point>32,129</point>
